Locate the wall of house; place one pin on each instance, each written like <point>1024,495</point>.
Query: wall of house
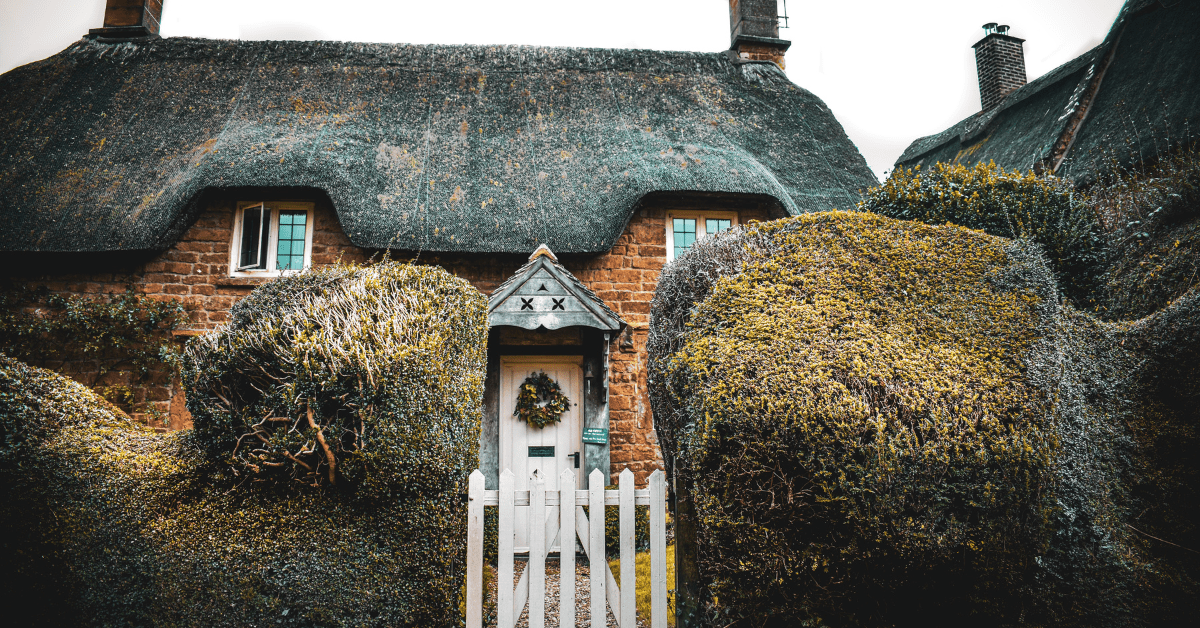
<point>195,273</point>
<point>625,278</point>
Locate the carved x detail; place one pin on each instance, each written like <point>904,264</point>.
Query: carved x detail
<point>558,303</point>
<point>527,304</point>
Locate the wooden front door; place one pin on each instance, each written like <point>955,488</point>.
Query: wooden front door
<point>548,450</point>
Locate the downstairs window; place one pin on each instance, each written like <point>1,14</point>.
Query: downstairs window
<point>270,238</point>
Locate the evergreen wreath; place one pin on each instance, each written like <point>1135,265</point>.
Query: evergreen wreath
<point>541,388</point>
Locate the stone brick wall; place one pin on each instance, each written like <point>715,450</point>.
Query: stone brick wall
<point>195,273</point>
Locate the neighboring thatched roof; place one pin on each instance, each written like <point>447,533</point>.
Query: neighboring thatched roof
<point>1127,99</point>
<point>106,146</point>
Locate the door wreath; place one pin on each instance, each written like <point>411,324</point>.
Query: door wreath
<point>541,401</point>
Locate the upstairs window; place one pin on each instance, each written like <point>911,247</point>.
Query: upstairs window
<point>270,238</point>
<point>685,228</point>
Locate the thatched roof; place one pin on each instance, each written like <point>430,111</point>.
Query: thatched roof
<point>1128,99</point>
<point>106,146</point>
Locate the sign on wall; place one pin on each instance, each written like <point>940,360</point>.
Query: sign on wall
<point>595,435</point>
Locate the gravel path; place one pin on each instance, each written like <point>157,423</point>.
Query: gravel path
<point>583,614</point>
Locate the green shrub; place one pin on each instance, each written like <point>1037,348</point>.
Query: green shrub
<point>1013,205</point>
<point>105,523</point>
<point>365,376</point>
<point>881,422</point>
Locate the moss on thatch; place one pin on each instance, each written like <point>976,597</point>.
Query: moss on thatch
<point>1152,215</point>
<point>107,523</point>
<point>883,422</point>
<point>468,149</point>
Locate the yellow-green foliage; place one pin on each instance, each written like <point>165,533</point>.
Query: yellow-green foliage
<point>360,375</point>
<point>882,422</point>
<point>1012,204</point>
<point>642,573</point>
<point>861,384</point>
<point>106,523</point>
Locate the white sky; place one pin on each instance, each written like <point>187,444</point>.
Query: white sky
<point>891,70</point>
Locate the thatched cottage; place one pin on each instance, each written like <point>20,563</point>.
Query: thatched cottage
<point>1125,101</point>
<point>197,169</point>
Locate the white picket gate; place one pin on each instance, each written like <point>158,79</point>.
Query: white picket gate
<point>531,587</point>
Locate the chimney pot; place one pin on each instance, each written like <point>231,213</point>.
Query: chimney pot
<point>754,31</point>
<point>1000,60</point>
<point>130,19</point>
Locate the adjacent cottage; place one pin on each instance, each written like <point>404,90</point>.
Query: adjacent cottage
<point>1126,100</point>
<point>196,169</point>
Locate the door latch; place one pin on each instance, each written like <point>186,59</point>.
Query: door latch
<point>576,457</point>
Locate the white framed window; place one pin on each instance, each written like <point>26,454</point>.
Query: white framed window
<point>685,228</point>
<point>271,238</point>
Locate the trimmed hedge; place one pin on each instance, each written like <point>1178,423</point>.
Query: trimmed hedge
<point>106,523</point>
<point>882,422</point>
<point>1010,204</point>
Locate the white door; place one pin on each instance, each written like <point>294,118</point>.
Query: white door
<point>548,450</point>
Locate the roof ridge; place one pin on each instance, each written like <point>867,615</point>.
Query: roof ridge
<point>427,57</point>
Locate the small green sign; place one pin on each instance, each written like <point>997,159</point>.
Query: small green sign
<point>595,435</point>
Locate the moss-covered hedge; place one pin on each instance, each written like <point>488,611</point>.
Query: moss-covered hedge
<point>1011,204</point>
<point>105,523</point>
<point>882,422</point>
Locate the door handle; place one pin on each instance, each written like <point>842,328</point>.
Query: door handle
<point>576,457</point>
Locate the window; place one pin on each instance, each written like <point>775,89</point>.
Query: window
<point>270,238</point>
<point>685,228</point>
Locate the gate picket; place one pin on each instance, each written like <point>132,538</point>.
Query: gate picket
<point>566,557</point>
<point>628,579</point>
<point>596,556</point>
<point>504,570</point>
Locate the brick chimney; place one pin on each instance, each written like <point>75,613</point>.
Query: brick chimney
<point>130,19</point>
<point>1000,59</point>
<point>754,31</point>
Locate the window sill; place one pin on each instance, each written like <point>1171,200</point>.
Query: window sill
<point>243,281</point>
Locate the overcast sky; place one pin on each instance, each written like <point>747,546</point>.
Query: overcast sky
<point>891,70</point>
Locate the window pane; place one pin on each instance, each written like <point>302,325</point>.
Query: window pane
<point>713,226</point>
<point>291,240</point>
<point>684,234</point>
<point>256,231</point>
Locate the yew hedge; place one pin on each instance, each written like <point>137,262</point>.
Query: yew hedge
<point>882,422</point>
<point>107,523</point>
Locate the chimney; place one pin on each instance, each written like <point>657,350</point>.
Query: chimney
<point>1000,59</point>
<point>754,31</point>
<point>130,19</point>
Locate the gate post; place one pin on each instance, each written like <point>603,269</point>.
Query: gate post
<point>658,550</point>
<point>687,575</point>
